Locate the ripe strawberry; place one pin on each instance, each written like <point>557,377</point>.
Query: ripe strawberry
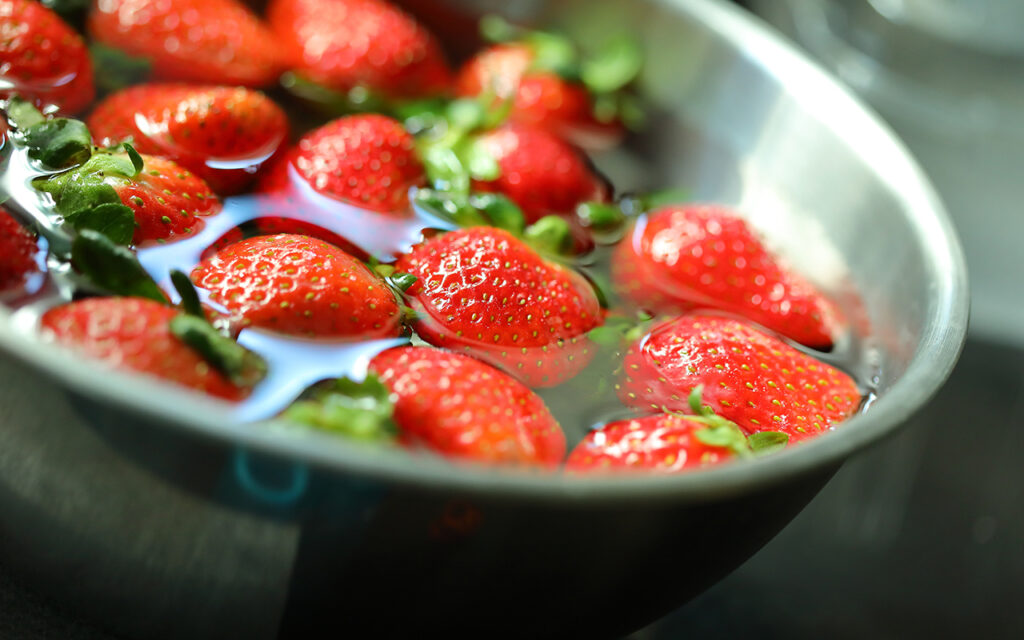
<point>17,252</point>
<point>539,172</point>
<point>686,257</point>
<point>133,333</point>
<point>222,134</point>
<point>299,285</point>
<point>749,377</point>
<point>483,291</point>
<point>365,160</point>
<point>370,44</point>
<point>540,98</point>
<point>665,443</point>
<point>42,58</point>
<point>209,41</point>
<point>463,408</point>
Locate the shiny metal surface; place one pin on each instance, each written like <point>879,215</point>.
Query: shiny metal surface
<point>154,499</point>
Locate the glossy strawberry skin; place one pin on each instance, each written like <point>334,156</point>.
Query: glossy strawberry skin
<point>754,379</point>
<point>222,134</point>
<point>17,253</point>
<point>300,286</point>
<point>366,160</point>
<point>540,99</point>
<point>205,41</point>
<point>484,292</point>
<point>133,333</point>
<point>463,408</point>
<point>663,443</point>
<point>686,257</point>
<point>43,57</point>
<point>540,172</point>
<point>169,202</point>
<point>343,44</point>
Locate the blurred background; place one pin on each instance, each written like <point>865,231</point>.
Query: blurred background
<point>923,536</point>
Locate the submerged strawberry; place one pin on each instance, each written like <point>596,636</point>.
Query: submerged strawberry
<point>463,408</point>
<point>42,58</point>
<point>134,333</point>
<point>686,257</point>
<point>17,252</point>
<point>484,292</point>
<point>367,44</point>
<point>753,379</point>
<point>366,160</point>
<point>299,285</point>
<point>209,41</point>
<point>539,172</point>
<point>222,134</point>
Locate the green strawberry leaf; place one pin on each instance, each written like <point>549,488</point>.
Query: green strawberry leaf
<point>612,68</point>
<point>661,198</point>
<point>465,114</point>
<point>550,234</point>
<point>136,159</point>
<point>600,215</point>
<point>360,410</point>
<point>120,70</point>
<point>608,336</point>
<point>334,103</point>
<point>243,367</point>
<point>554,53</point>
<point>444,169</point>
<point>57,143</point>
<point>402,280</point>
<point>496,29</point>
<point>22,114</point>
<point>724,434</point>
<point>478,160</point>
<point>112,267</point>
<point>189,296</point>
<point>112,219</point>
<point>764,442</point>
<point>500,211</point>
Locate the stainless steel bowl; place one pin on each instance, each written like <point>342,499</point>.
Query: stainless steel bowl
<point>150,510</point>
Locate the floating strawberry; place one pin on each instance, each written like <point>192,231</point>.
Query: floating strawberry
<point>753,379</point>
<point>463,408</point>
<point>366,44</point>
<point>17,252</point>
<point>299,285</point>
<point>208,41</point>
<point>222,134</point>
<point>703,256</point>
<point>136,334</point>
<point>164,199</point>
<point>42,58</point>
<point>365,160</point>
<point>484,292</point>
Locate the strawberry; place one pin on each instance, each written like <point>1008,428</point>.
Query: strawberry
<point>749,377</point>
<point>299,285</point>
<point>366,44</point>
<point>483,291</point>
<point>679,258</point>
<point>42,58</point>
<point>17,253</point>
<point>222,134</point>
<point>539,172</point>
<point>207,41</point>
<point>166,200</point>
<point>134,333</point>
<point>664,443</point>
<point>463,408</point>
<point>365,160</point>
<point>540,98</point>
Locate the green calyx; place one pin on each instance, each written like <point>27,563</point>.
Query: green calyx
<point>57,143</point>
<point>359,410</point>
<point>111,267</point>
<point>550,235</point>
<point>243,367</point>
<point>452,153</point>
<point>720,432</point>
<point>120,70</point>
<point>618,330</point>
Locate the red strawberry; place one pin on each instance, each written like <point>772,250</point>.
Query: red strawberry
<point>540,172</point>
<point>366,160</point>
<point>756,380</point>
<point>483,291</point>
<point>665,443</point>
<point>17,252</point>
<point>133,333</point>
<point>299,285</point>
<point>540,98</point>
<point>42,58</point>
<point>463,408</point>
<point>370,44</point>
<point>697,256</point>
<point>222,134</point>
<point>211,41</point>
